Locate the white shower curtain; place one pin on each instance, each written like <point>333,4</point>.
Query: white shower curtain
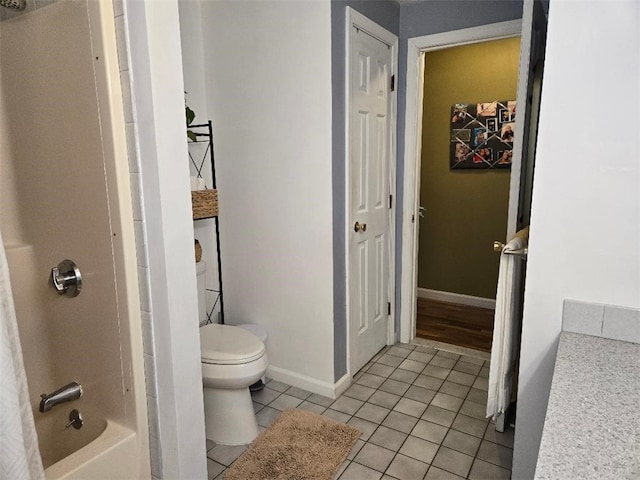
<point>19,453</point>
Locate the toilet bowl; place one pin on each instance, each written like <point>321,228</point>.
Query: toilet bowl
<point>232,359</point>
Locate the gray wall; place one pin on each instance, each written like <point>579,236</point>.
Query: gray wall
<point>385,13</point>
<point>426,18</point>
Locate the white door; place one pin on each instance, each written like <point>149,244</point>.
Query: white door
<point>532,46</point>
<point>369,202</point>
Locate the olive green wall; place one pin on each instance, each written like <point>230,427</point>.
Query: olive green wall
<point>466,210</point>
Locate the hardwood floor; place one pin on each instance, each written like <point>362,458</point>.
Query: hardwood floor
<point>461,325</point>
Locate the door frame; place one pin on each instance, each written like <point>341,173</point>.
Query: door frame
<point>416,48</point>
<point>355,18</point>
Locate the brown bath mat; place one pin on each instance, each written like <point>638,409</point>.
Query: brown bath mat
<point>298,445</point>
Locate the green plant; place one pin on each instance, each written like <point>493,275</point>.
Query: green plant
<point>190,116</point>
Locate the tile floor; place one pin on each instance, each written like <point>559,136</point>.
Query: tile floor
<point>421,413</point>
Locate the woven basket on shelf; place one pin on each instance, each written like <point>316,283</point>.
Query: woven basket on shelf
<point>204,203</point>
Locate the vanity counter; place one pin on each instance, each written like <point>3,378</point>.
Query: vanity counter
<point>592,426</point>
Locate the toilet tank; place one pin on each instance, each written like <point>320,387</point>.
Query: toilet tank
<point>201,273</point>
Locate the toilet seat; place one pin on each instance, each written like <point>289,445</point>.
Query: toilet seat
<point>229,345</point>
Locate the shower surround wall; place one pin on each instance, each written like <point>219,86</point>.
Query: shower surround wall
<point>64,195</point>
<point>11,227</point>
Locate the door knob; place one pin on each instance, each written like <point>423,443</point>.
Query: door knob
<point>360,227</point>
<point>498,246</point>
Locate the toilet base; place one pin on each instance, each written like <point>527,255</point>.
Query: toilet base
<point>256,387</point>
<point>229,416</point>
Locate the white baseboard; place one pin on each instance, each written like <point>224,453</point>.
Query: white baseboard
<point>326,389</point>
<point>342,385</point>
<point>457,298</point>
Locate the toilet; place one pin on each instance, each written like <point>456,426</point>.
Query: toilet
<point>232,358</point>
<point>260,332</point>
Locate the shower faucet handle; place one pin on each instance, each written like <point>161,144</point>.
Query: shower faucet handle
<point>66,278</point>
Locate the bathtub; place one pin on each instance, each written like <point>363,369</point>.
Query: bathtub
<point>112,455</point>
<point>65,193</point>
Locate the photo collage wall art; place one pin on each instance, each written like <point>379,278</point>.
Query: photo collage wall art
<point>482,134</point>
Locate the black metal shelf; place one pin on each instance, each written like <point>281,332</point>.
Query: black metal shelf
<point>204,131</point>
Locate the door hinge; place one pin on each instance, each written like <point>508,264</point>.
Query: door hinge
<point>390,200</point>
<point>393,83</point>
<point>388,308</point>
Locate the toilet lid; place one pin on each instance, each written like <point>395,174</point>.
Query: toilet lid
<point>228,345</point>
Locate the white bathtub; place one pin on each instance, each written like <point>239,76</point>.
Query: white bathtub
<point>113,455</point>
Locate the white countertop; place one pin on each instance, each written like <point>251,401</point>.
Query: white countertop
<point>592,426</point>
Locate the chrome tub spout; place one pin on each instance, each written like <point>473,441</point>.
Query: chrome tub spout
<point>72,391</point>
